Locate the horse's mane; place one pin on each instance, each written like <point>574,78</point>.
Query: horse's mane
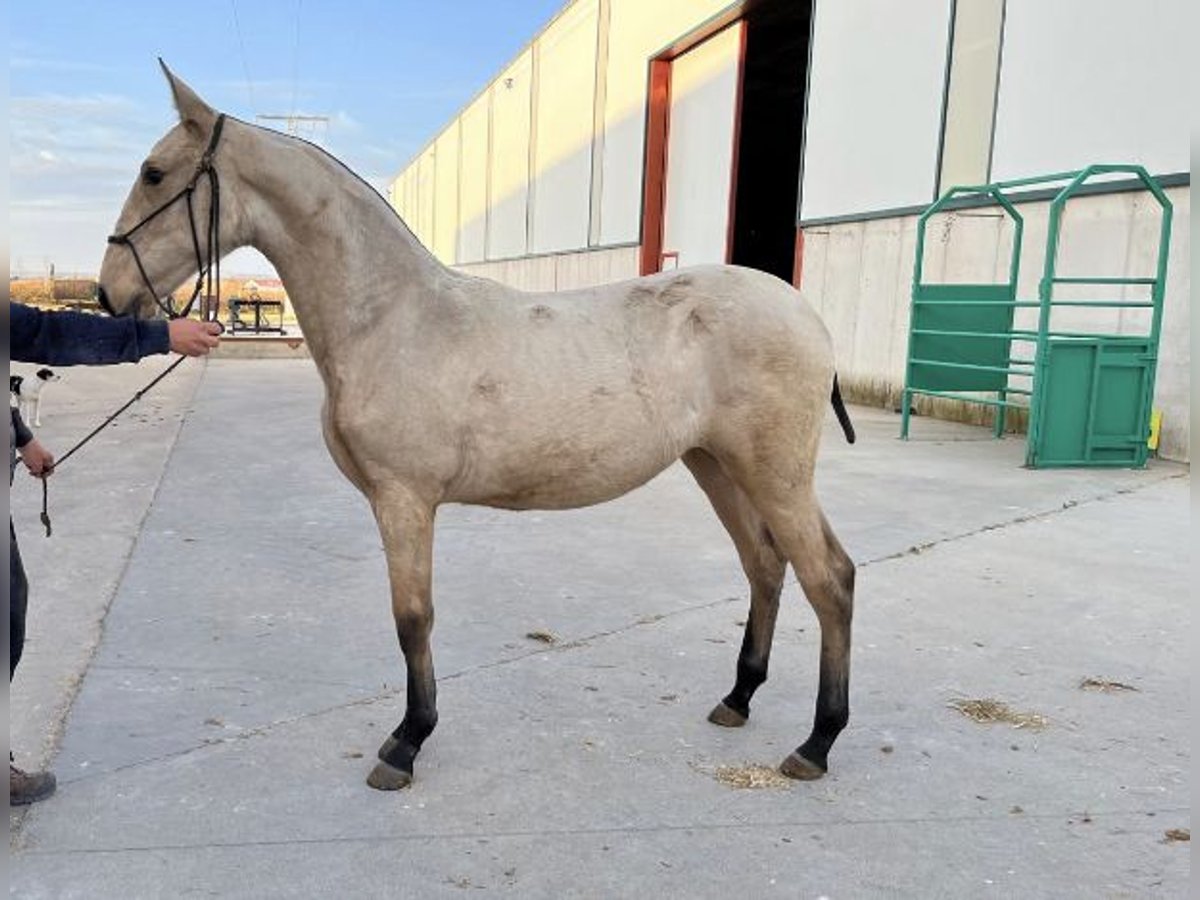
<point>349,171</point>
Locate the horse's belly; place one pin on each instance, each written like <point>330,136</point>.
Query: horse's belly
<point>567,467</point>
<point>565,489</point>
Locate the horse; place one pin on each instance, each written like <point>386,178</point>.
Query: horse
<point>443,388</point>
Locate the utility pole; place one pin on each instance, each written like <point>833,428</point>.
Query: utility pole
<point>294,122</point>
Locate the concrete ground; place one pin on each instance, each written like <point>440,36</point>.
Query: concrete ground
<point>217,594</point>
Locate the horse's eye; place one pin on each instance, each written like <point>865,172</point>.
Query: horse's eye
<point>152,175</point>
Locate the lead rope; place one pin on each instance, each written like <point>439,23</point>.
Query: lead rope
<point>95,431</point>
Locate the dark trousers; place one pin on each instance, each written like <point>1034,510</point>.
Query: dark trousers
<point>18,600</point>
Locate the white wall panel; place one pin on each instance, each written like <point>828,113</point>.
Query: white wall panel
<point>400,193</point>
<point>562,159</point>
<point>704,83</point>
<point>410,196</point>
<point>874,105</point>
<point>509,173</point>
<point>425,197</point>
<point>561,271</point>
<point>1085,81</point>
<point>473,191</point>
<point>638,29</point>
<point>445,225</point>
<point>971,103</point>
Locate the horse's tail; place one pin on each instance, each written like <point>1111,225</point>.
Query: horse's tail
<point>839,409</point>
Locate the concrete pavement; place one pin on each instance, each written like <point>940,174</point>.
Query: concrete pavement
<point>247,670</point>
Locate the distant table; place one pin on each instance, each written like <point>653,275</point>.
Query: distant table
<point>262,310</point>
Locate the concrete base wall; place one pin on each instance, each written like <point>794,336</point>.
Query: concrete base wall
<point>859,277</point>
<point>561,271</point>
<point>262,347</point>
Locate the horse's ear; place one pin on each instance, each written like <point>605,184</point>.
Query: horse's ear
<point>196,115</point>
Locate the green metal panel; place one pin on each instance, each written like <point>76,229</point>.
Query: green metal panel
<point>1116,414</point>
<point>1093,401</point>
<point>973,324</point>
<point>1090,403</point>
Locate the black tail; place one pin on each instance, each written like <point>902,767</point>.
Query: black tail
<point>839,409</point>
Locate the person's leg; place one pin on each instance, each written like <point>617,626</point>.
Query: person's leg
<point>23,787</point>
<point>18,600</point>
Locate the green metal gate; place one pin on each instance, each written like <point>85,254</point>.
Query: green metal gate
<point>1088,394</point>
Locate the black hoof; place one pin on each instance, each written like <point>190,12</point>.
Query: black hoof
<point>387,747</point>
<point>796,766</point>
<point>725,717</point>
<point>388,778</point>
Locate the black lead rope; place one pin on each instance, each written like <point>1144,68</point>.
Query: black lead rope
<point>95,431</point>
<point>209,312</point>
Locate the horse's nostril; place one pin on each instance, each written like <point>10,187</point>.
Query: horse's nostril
<point>102,297</point>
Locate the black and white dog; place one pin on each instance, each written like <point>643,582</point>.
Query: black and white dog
<point>28,391</point>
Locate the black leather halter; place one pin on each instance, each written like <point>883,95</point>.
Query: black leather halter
<point>210,269</point>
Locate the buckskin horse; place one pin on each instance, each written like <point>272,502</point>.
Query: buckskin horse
<point>478,393</point>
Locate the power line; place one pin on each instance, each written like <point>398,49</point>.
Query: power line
<point>297,125</point>
<point>296,56</point>
<point>237,27</point>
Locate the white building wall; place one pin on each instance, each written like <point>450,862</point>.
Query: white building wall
<point>874,105</point>
<point>1087,81</point>
<point>524,190</point>
<point>700,149</point>
<point>561,271</point>
<point>423,184</point>
<point>473,180</point>
<point>564,112</point>
<point>508,176</point>
<point>637,31</point>
<point>446,206</point>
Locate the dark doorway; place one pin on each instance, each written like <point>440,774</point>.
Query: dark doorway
<point>772,117</point>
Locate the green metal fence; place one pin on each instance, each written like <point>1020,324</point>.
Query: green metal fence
<point>1088,393</point>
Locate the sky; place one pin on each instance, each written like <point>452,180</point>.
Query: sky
<point>88,100</point>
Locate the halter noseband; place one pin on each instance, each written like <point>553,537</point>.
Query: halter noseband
<point>209,310</point>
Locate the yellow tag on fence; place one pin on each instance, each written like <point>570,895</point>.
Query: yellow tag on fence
<point>1155,428</point>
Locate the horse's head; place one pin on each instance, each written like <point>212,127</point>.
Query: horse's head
<point>165,230</point>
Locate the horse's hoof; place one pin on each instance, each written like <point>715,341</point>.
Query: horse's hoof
<point>725,717</point>
<point>388,778</point>
<point>387,747</point>
<point>796,766</point>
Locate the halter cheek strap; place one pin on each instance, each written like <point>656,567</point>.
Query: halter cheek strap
<point>210,269</point>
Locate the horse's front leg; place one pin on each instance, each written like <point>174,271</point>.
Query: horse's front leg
<point>406,525</point>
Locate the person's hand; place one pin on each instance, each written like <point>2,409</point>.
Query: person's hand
<point>193,338</point>
<point>37,459</point>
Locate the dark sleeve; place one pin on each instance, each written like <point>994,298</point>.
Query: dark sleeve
<point>20,429</point>
<point>74,338</point>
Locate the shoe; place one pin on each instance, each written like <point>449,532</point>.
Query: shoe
<point>29,787</point>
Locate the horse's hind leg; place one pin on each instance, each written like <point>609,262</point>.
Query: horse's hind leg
<point>406,526</point>
<point>764,568</point>
<point>777,477</point>
<point>826,574</point>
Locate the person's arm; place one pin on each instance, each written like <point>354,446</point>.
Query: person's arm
<point>70,338</point>
<point>21,433</point>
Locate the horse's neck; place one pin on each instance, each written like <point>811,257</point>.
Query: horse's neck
<point>345,258</point>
